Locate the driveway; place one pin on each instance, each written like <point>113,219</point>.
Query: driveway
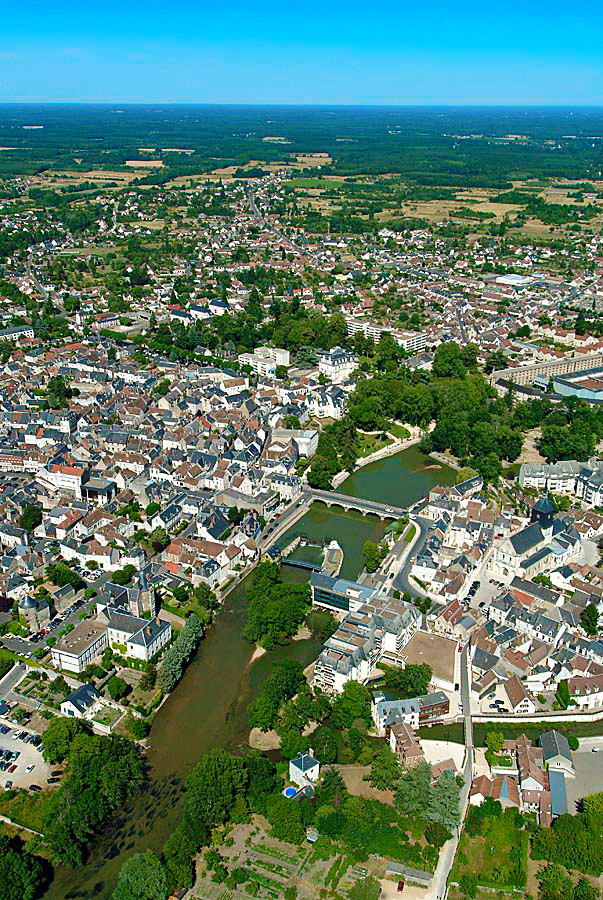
<point>10,680</point>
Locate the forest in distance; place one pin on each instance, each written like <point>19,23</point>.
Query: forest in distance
<point>470,146</point>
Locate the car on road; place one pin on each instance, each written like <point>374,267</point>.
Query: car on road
<point>595,749</point>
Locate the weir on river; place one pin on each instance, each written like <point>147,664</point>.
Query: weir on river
<point>208,708</point>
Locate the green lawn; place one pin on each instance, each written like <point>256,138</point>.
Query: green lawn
<point>398,431</point>
<point>410,534</point>
<point>369,443</point>
<point>315,183</point>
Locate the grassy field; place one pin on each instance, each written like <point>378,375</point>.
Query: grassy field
<point>315,183</point>
<point>530,729</point>
<point>497,855</point>
<point>25,808</point>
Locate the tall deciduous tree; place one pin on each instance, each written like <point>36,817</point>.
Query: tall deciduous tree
<point>142,877</point>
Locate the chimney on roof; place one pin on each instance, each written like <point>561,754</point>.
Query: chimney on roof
<point>157,620</point>
<point>148,630</point>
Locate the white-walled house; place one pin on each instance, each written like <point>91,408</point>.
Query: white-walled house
<point>77,704</point>
<point>133,636</point>
<point>304,769</point>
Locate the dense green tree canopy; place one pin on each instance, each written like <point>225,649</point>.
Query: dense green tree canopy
<point>142,877</point>
<point>22,874</point>
<point>276,608</point>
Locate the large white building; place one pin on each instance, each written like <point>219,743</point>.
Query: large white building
<point>135,637</point>
<point>410,341</point>
<point>583,480</point>
<point>84,645</point>
<point>264,360</point>
<point>337,364</point>
<point>378,629</point>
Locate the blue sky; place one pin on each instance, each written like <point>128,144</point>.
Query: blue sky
<point>380,51</point>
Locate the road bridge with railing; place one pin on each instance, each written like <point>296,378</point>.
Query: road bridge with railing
<point>366,507</point>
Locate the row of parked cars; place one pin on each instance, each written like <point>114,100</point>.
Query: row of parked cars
<point>56,622</point>
<point>28,738</point>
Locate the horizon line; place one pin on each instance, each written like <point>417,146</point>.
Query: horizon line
<point>321,105</point>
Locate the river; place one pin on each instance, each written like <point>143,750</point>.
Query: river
<point>208,708</point>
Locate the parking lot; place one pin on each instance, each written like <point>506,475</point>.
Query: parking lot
<point>589,773</point>
<point>29,755</point>
<point>490,586</point>
<point>26,647</point>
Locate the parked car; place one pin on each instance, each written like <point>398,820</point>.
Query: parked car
<point>400,887</point>
<point>35,788</point>
<point>57,773</point>
<point>30,768</point>
<point>12,769</point>
<point>52,780</point>
<point>8,785</point>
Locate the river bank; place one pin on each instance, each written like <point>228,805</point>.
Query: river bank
<point>398,445</point>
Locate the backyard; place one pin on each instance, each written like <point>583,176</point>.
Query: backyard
<point>268,868</point>
<point>493,848</point>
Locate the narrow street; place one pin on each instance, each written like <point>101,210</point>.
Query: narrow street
<point>439,882</point>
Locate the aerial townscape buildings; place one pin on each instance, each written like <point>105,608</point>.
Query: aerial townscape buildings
<point>253,401</point>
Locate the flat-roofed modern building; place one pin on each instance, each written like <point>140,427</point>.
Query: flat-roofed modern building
<point>81,647</point>
<point>338,594</point>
